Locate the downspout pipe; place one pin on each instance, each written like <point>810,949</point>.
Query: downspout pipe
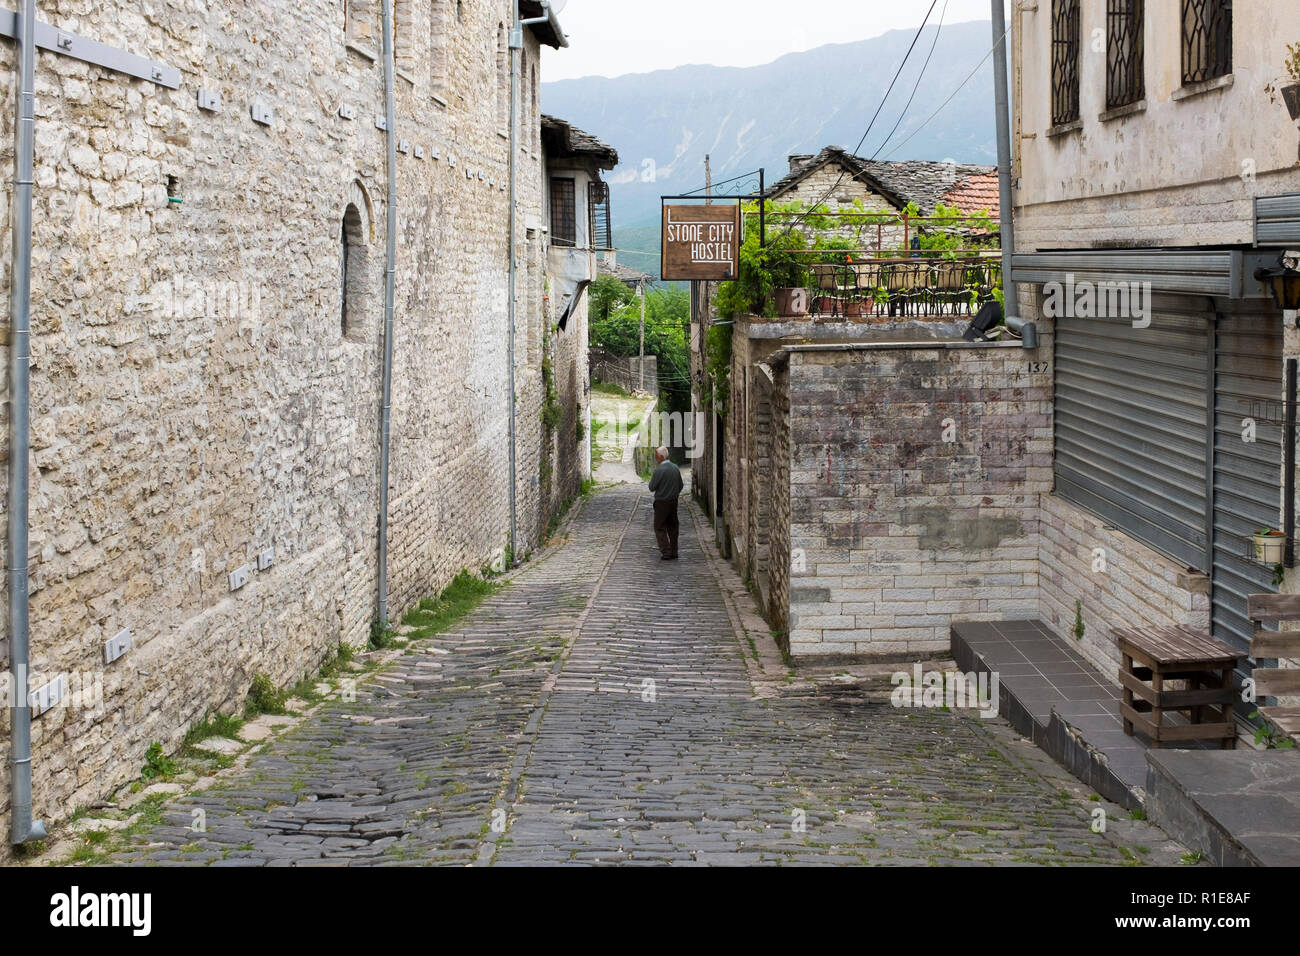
<point>22,827</point>
<point>1027,331</point>
<point>512,294</point>
<point>390,296</point>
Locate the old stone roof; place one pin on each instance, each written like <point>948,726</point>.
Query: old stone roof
<point>565,139</point>
<point>970,188</point>
<point>550,32</point>
<point>624,273</point>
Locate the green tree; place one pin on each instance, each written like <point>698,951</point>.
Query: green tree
<point>667,326</point>
<point>606,296</point>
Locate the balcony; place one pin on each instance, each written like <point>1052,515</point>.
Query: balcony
<point>855,266</point>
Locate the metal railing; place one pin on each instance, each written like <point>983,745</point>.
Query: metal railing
<point>1065,61</point>
<point>1207,39</point>
<point>902,286</point>
<point>1125,54</point>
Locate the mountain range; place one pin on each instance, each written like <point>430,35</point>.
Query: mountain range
<point>664,123</point>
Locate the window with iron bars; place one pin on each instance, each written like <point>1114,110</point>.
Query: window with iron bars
<point>1065,61</point>
<point>564,212</point>
<point>602,236</point>
<point>1207,39</point>
<point>1125,62</point>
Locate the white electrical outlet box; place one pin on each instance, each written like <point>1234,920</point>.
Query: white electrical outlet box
<point>210,100</point>
<point>381,121</point>
<point>347,112</point>
<point>117,645</point>
<point>46,697</point>
<point>239,577</point>
<point>419,151</point>
<point>265,558</point>
<point>262,113</point>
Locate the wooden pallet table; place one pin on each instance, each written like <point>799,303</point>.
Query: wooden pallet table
<point>1154,656</point>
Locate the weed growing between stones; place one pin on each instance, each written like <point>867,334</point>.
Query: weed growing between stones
<point>157,765</point>
<point>214,725</point>
<point>264,698</point>
<point>435,615</point>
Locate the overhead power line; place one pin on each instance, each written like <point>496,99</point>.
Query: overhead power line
<point>960,87</point>
<point>925,66</point>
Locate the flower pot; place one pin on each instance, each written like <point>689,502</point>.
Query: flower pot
<point>824,305</point>
<point>1269,548</point>
<point>857,308</point>
<point>1291,97</point>
<point>791,303</point>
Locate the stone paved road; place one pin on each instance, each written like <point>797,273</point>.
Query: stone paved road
<point>601,708</point>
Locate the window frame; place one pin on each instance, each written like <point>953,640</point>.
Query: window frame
<point>1125,53</point>
<point>559,206</point>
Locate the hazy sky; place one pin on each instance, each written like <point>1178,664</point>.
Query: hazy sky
<point>613,37</point>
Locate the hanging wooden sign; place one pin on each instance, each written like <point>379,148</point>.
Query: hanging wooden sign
<point>701,242</point>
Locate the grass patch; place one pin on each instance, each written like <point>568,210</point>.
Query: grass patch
<point>434,615</point>
<point>214,725</point>
<point>157,765</point>
<point>609,388</point>
<point>380,636</point>
<point>264,698</point>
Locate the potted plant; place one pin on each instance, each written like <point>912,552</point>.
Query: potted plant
<point>1269,546</point>
<point>1291,92</point>
<point>789,278</point>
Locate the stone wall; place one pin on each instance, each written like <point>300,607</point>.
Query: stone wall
<point>197,393</point>
<point>625,371</point>
<point>836,188</point>
<point>914,486</point>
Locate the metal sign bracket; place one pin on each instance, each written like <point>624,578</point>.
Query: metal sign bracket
<point>89,51</point>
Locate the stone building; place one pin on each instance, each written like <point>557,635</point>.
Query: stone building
<point>841,181</point>
<point>208,310</point>
<point>1112,475</point>
<point>578,226</point>
<point>1166,170</point>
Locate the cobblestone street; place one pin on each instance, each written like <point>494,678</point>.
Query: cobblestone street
<point>603,708</point>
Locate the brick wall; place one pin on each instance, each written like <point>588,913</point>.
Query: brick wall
<point>898,531</point>
<point>194,396</point>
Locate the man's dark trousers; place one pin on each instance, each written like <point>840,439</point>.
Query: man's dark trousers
<point>666,527</point>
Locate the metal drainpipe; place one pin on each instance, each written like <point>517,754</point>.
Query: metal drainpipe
<point>390,294</point>
<point>516,44</point>
<point>1005,206</point>
<point>22,827</point>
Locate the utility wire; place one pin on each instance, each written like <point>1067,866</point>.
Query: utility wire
<point>954,93</point>
<point>897,74</point>
<point>924,67</point>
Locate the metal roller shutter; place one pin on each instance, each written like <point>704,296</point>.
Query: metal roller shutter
<point>1247,475</point>
<point>1131,423</point>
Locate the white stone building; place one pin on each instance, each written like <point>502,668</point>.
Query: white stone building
<point>1163,160</point>
<point>207,312</point>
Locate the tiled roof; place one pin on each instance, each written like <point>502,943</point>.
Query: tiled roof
<point>976,193</point>
<point>568,140</point>
<point>923,182</point>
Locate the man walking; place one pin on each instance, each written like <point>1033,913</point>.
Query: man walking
<point>666,483</point>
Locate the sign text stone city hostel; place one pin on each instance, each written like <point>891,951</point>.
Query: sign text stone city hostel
<point>701,242</point>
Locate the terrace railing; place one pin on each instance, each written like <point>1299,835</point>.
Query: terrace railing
<point>854,285</point>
